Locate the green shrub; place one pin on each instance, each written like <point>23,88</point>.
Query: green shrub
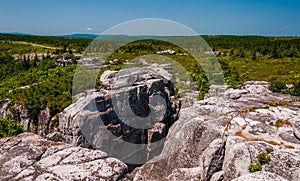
<point>10,128</point>
<point>279,87</point>
<point>263,158</point>
<point>269,150</point>
<point>254,167</point>
<point>296,89</point>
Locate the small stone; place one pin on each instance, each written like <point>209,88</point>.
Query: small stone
<point>55,136</point>
<point>235,96</point>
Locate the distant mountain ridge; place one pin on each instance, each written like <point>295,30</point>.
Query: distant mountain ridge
<point>78,35</point>
<point>93,36</point>
<point>15,33</point>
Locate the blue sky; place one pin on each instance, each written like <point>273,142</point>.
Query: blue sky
<point>247,17</point>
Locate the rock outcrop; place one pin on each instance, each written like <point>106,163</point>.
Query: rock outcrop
<point>43,123</point>
<point>30,157</point>
<point>220,136</point>
<point>130,114</point>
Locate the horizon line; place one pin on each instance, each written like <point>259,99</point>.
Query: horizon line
<point>92,34</point>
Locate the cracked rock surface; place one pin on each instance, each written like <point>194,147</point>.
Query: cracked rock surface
<point>30,157</point>
<point>219,137</point>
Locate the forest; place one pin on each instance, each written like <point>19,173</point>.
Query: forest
<point>76,44</point>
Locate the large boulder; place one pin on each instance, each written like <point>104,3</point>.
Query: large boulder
<point>130,114</point>
<point>30,157</point>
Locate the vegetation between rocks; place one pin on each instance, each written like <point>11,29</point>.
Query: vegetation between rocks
<point>263,158</point>
<point>254,167</point>
<point>10,128</point>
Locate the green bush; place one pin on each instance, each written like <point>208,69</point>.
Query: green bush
<point>269,150</point>
<point>263,158</point>
<point>10,128</point>
<point>279,87</point>
<point>254,167</point>
<point>296,89</point>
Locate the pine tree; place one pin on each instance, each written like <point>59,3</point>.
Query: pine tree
<point>35,60</point>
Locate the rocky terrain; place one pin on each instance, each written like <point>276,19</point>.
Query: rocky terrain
<point>30,157</point>
<point>131,112</point>
<point>218,138</point>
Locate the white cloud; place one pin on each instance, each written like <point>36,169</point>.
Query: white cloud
<point>89,29</point>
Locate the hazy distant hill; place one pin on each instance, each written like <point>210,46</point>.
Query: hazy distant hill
<point>14,33</point>
<point>89,36</point>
